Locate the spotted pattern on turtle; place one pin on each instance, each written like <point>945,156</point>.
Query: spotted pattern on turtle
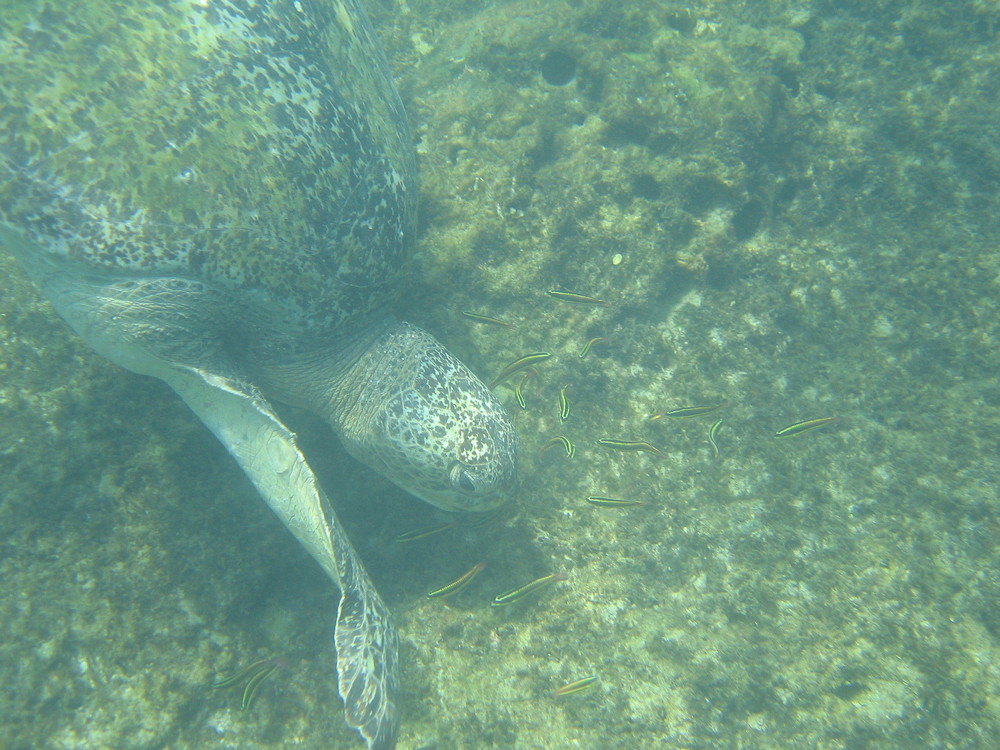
<point>108,162</point>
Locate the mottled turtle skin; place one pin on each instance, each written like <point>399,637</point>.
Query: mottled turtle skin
<point>220,193</point>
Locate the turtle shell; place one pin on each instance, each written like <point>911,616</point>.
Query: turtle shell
<point>259,147</point>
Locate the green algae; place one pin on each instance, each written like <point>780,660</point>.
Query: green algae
<point>838,590</point>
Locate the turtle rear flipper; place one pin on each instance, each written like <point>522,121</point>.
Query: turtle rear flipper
<point>367,661</point>
<point>267,451</point>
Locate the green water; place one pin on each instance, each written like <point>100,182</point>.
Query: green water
<point>804,198</point>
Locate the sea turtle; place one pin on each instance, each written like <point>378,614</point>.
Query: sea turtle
<point>221,194</point>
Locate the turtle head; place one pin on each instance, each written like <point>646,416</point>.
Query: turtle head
<point>424,420</point>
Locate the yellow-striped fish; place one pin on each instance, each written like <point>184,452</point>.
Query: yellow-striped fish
<point>579,298</point>
<point>713,433</point>
<point>567,445</point>
<point>586,347</point>
<point>576,686</point>
<point>631,445</point>
<point>519,364</point>
<point>686,412</point>
<point>612,502</point>
<point>251,678</point>
<point>563,404</point>
<point>807,426</point>
<point>450,589</point>
<point>253,685</point>
<point>518,389</point>
<point>509,597</point>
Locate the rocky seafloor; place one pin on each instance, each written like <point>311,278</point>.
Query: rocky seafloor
<point>803,200</point>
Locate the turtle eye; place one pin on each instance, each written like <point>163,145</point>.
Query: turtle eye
<point>465,482</point>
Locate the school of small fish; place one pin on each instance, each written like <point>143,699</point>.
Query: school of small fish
<point>526,366</point>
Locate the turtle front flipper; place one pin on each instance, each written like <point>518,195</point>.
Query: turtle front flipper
<point>366,641</point>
